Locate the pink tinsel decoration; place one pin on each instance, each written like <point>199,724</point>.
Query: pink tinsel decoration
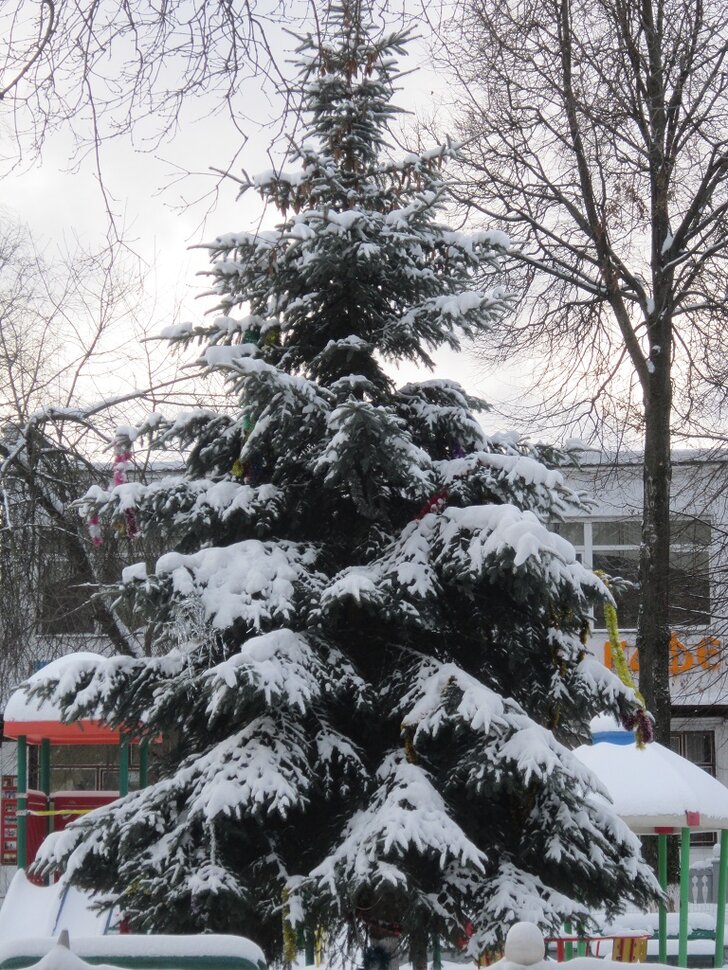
<point>94,529</point>
<point>121,459</point>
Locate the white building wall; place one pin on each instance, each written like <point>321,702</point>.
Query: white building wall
<point>700,662</point>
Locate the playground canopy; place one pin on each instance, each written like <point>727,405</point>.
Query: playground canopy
<point>657,792</point>
<point>38,722</point>
<point>653,788</point>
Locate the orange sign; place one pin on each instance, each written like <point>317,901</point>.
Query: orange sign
<point>704,655</point>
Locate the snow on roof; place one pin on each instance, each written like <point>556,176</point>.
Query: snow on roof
<point>134,945</point>
<point>36,719</point>
<point>653,787</point>
<point>591,456</point>
<point>22,708</point>
<point>59,957</point>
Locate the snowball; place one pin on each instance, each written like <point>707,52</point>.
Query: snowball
<point>605,722</point>
<point>524,944</point>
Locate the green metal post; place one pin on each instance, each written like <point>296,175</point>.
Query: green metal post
<point>44,767</point>
<point>569,949</point>
<point>436,953</point>
<point>581,948</point>
<point>44,777</point>
<point>682,951</point>
<point>662,877</point>
<point>310,954</point>
<point>143,764</point>
<point>22,803</point>
<point>123,765</point>
<point>720,908</point>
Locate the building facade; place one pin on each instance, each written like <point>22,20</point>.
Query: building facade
<point>608,539</point>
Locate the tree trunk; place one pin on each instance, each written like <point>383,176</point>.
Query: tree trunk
<point>418,950</point>
<point>653,630</point>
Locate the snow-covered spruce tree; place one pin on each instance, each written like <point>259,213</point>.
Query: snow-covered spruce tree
<point>369,660</point>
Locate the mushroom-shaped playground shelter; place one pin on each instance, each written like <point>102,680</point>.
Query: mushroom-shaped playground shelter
<point>659,793</point>
<point>32,722</point>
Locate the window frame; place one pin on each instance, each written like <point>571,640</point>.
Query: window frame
<point>681,736</point>
<point>586,549</point>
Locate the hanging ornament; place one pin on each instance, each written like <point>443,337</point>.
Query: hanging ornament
<point>122,457</point>
<point>456,449</point>
<point>241,469</point>
<point>435,503</point>
<point>408,742</point>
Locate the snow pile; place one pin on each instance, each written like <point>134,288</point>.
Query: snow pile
<point>31,911</point>
<point>525,945</point>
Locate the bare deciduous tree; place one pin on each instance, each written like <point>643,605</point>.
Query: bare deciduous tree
<point>600,143</point>
<point>104,67</point>
<point>69,360</point>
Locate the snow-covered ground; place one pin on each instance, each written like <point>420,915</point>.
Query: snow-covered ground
<point>32,917</point>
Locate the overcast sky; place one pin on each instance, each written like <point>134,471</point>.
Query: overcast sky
<point>163,215</point>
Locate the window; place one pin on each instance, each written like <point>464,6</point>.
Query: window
<point>573,532</point>
<point>616,551</point>
<point>85,767</point>
<point>65,592</point>
<point>698,747</point>
<point>689,572</point>
<point>613,545</point>
<point>81,767</point>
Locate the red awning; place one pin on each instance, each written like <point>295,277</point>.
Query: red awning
<point>78,732</point>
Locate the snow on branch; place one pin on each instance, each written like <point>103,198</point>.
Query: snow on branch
<point>406,813</point>
<point>250,581</point>
<point>280,665</point>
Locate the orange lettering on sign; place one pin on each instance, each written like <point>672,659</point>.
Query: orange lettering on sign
<point>681,659</point>
<point>706,654</point>
<point>609,663</point>
<point>708,651</point>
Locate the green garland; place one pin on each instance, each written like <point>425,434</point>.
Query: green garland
<point>641,724</point>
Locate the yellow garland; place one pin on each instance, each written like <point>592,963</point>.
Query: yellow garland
<point>290,946</point>
<point>50,813</point>
<point>319,946</point>
<point>619,661</point>
<point>408,744</point>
